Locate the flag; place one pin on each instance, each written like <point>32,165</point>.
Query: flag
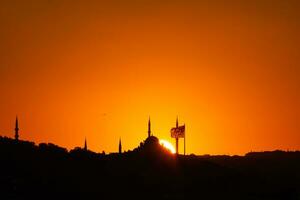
<point>178,132</point>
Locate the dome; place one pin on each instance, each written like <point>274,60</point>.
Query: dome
<point>151,140</point>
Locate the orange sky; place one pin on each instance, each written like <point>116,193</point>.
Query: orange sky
<point>229,69</point>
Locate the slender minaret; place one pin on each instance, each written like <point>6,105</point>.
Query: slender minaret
<point>149,128</point>
<point>120,146</point>
<point>17,129</point>
<point>177,137</point>
<point>184,140</point>
<point>85,145</point>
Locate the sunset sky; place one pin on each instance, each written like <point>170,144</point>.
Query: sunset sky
<point>230,70</point>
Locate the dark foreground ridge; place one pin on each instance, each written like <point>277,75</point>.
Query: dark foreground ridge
<point>47,171</point>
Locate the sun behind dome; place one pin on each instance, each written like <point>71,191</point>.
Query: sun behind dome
<point>151,145</point>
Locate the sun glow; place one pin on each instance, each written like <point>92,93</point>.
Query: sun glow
<point>167,145</point>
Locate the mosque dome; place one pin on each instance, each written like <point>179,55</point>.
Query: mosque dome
<point>151,140</point>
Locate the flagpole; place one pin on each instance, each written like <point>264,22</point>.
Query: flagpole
<point>184,139</point>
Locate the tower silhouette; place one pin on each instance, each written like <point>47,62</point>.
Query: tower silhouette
<point>17,129</point>
<point>85,145</point>
<point>149,128</point>
<point>120,146</point>
<point>176,137</point>
<point>178,132</point>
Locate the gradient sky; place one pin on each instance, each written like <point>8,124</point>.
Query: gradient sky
<point>97,69</point>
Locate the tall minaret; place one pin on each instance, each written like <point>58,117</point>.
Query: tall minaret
<point>177,137</point>
<point>149,128</point>
<point>120,146</point>
<point>85,145</point>
<point>17,129</point>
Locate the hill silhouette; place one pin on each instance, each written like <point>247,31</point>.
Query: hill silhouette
<point>47,171</point>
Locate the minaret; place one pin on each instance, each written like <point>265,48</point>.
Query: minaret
<point>177,137</point>
<point>149,128</point>
<point>120,146</point>
<point>17,130</point>
<point>85,145</point>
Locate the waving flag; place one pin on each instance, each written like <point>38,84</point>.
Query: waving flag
<point>178,132</point>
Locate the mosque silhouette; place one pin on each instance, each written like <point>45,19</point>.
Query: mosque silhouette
<point>149,145</point>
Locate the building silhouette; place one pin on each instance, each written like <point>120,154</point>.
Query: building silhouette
<point>151,143</point>
<point>17,130</point>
